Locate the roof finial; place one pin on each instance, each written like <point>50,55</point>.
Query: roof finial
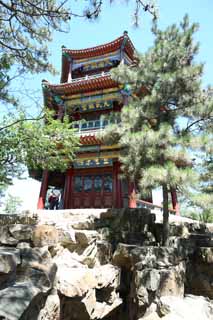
<point>125,33</point>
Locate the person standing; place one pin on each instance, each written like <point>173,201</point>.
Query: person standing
<point>53,201</point>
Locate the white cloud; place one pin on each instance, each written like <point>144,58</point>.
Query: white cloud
<point>157,196</point>
<point>27,190</point>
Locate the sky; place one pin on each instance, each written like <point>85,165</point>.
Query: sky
<point>113,21</point>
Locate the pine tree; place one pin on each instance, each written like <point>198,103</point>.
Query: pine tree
<point>156,131</point>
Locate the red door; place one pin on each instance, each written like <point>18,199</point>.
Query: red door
<point>92,190</point>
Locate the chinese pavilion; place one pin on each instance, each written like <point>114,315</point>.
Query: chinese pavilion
<point>88,94</point>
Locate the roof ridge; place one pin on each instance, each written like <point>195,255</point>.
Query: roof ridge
<point>64,49</point>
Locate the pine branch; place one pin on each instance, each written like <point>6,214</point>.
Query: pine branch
<point>20,121</point>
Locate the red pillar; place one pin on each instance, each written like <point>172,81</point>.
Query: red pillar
<point>175,203</point>
<point>132,195</point>
<point>68,189</point>
<point>117,194</point>
<point>43,190</point>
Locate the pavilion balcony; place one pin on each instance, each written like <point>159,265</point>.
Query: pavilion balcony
<point>91,77</point>
<point>93,126</point>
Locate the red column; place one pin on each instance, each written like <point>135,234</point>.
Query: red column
<point>43,190</point>
<point>117,194</point>
<point>132,195</point>
<point>68,189</point>
<point>175,203</point>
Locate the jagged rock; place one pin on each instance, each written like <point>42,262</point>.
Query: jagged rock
<point>41,276</point>
<point>51,309</point>
<point>11,251</point>
<point>37,266</point>
<point>7,263</point>
<point>86,255</point>
<point>35,255</point>
<point>104,252</point>
<point>103,309</point>
<point>107,276</point>
<point>77,309</point>
<point>75,282</point>
<point>66,262</point>
<point>199,276</point>
<point>84,223</point>
<point>148,279</point>
<point>89,255</point>
<point>16,299</point>
<point>152,257</point>
<point>172,281</point>
<point>179,230</point>
<point>66,235</point>
<point>151,316</point>
<point>89,294</point>
<point>189,308</point>
<point>85,237</point>
<point>151,312</point>
<point>9,258</point>
<point>21,232</point>
<point>200,280</point>
<point>23,245</point>
<point>45,235</point>
<point>149,284</point>
<point>106,291</point>
<point>205,255</point>
<point>156,271</point>
<point>6,238</point>
<point>67,259</point>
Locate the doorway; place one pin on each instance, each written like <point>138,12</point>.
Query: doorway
<point>93,190</point>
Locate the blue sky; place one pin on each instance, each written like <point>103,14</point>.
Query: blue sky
<point>117,17</point>
<point>111,24</point>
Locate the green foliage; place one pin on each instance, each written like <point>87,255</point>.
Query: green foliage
<point>203,216</point>
<point>167,106</point>
<point>26,28</point>
<point>166,86</point>
<point>51,145</point>
<point>12,204</point>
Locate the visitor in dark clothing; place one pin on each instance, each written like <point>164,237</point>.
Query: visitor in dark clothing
<point>53,201</point>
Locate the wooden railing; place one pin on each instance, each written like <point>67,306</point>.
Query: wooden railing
<point>93,125</point>
<point>152,206</point>
<point>95,76</point>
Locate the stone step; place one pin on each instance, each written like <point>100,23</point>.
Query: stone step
<point>201,236</point>
<point>205,243</point>
<point>202,239</point>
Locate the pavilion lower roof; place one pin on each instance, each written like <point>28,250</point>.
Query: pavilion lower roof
<point>89,139</point>
<point>83,85</point>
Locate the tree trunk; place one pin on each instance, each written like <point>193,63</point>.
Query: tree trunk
<point>165,216</point>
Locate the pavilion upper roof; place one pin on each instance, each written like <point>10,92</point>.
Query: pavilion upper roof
<point>103,49</point>
<point>122,43</point>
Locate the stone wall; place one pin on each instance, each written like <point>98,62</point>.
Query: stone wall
<point>101,264</point>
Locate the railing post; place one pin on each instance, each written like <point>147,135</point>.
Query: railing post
<point>43,190</point>
<point>132,195</point>
<point>68,189</point>
<point>175,203</point>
